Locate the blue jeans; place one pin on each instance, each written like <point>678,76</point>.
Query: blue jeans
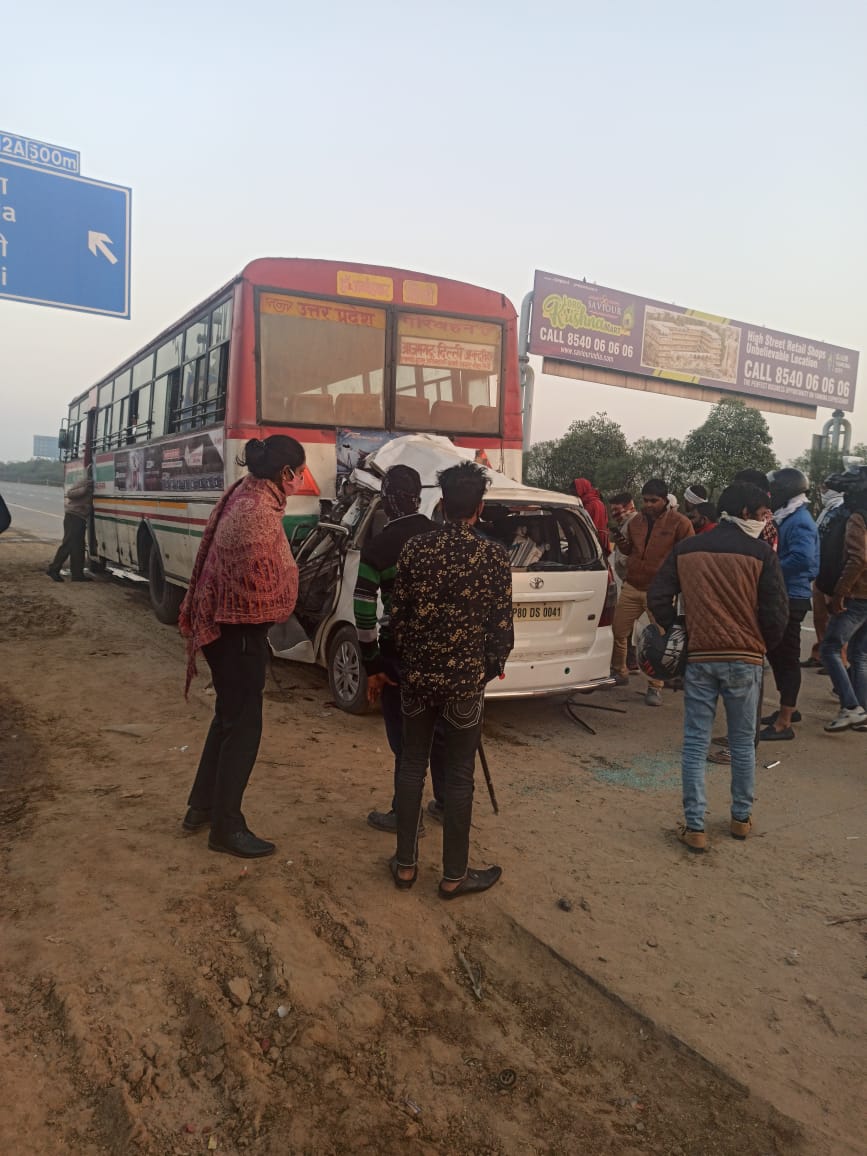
<point>740,684</point>
<point>848,628</point>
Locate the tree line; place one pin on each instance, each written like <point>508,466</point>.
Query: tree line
<point>734,437</point>
<point>38,471</point>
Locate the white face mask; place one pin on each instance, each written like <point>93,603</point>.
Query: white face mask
<point>751,526</point>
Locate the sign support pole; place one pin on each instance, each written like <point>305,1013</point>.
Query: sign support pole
<point>528,377</point>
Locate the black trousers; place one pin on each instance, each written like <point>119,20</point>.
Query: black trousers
<point>460,724</point>
<point>392,715</point>
<point>239,662</point>
<point>72,546</point>
<point>785,659</point>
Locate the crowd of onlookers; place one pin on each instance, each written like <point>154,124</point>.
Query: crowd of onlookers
<point>732,582</point>
<point>636,547</point>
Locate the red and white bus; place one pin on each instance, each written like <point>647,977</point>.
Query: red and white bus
<point>340,356</point>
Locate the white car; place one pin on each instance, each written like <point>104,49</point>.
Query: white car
<point>562,589</point>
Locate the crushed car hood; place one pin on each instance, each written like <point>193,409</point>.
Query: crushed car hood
<point>429,454</point>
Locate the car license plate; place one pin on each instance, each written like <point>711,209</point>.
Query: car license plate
<point>537,611</point>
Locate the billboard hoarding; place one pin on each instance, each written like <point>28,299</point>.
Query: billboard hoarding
<point>596,326</point>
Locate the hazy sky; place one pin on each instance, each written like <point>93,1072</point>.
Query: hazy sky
<point>711,155</point>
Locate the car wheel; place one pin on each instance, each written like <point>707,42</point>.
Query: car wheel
<point>166,598</point>
<point>346,675</point>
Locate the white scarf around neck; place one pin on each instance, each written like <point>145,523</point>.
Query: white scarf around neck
<point>831,499</point>
<point>790,507</point>
<point>750,526</point>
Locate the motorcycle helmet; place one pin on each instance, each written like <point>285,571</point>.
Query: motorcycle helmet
<point>786,484</point>
<point>663,655</point>
<point>849,481</point>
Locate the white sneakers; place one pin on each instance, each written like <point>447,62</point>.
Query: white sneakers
<point>857,717</point>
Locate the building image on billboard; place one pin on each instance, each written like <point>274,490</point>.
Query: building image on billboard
<point>682,344</point>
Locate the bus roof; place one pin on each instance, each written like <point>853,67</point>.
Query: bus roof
<point>320,276</point>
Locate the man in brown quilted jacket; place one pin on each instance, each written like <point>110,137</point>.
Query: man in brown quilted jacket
<point>646,541</point>
<point>736,609</point>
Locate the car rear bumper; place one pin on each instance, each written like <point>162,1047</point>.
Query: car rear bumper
<point>529,677</point>
<point>566,687</point>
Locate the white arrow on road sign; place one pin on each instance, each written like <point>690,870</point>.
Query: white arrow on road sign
<point>98,243</point>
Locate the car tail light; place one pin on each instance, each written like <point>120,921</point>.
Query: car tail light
<point>610,601</point>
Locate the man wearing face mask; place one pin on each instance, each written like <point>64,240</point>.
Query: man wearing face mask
<point>832,510</point>
<point>646,541</point>
<point>798,551</point>
<point>400,497</point>
<point>736,608</point>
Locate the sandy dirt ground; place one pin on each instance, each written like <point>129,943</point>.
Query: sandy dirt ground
<point>631,998</point>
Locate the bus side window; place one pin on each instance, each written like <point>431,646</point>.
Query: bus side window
<point>139,422</point>
<point>101,439</point>
<point>162,395</point>
<point>117,421</point>
<point>194,377</point>
<point>215,394</point>
<point>175,402</point>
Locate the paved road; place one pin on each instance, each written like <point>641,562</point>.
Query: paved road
<point>36,510</point>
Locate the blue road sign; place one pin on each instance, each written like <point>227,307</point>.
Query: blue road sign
<point>64,240</point>
<point>38,153</point>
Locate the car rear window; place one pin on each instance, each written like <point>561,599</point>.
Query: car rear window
<point>542,537</point>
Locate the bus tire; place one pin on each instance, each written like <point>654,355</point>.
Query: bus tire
<point>166,598</point>
<point>346,676</point>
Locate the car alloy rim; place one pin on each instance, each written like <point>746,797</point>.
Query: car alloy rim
<point>346,671</point>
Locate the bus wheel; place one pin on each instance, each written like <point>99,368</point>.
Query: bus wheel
<point>166,598</point>
<point>346,676</point>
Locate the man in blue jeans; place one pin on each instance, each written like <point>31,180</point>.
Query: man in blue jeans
<point>451,614</point>
<point>847,625</point>
<point>736,609</point>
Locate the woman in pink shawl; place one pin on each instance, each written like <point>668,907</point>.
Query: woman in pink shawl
<point>244,580</point>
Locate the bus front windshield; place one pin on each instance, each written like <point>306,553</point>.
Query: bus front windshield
<point>323,363</point>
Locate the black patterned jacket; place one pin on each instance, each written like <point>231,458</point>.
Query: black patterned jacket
<point>451,613</point>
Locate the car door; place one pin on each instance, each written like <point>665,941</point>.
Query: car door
<point>560,585</point>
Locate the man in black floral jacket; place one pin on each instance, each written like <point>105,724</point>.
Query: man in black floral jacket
<point>451,619</point>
